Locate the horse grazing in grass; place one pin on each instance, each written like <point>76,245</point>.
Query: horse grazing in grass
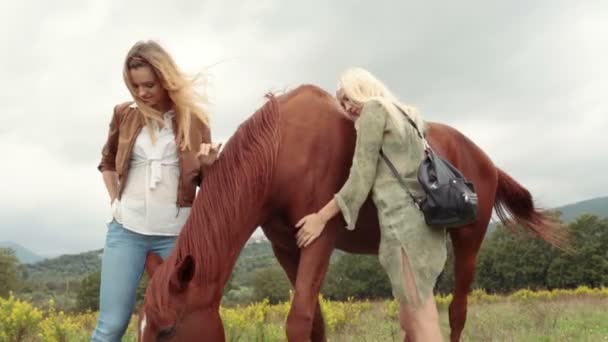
<point>285,161</point>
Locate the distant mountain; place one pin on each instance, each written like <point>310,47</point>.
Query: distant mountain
<point>256,254</point>
<point>595,206</point>
<point>64,268</point>
<point>24,255</point>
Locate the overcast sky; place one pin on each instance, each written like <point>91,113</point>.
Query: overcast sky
<point>525,80</point>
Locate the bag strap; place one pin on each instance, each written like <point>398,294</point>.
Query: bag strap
<point>427,147</point>
<point>396,173</point>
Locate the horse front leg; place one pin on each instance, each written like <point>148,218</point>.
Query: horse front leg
<point>288,255</point>
<point>289,262</point>
<point>314,261</point>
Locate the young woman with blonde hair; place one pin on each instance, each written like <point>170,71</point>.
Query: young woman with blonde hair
<point>157,148</point>
<point>412,253</point>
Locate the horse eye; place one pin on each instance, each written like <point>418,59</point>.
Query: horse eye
<point>166,334</point>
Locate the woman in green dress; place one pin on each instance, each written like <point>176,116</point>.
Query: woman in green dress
<point>412,253</point>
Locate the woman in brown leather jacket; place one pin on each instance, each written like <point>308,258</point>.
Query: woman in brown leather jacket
<point>157,148</point>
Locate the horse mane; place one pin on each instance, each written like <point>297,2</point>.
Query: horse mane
<point>231,197</point>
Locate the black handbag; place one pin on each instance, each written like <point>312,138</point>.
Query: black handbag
<point>450,200</point>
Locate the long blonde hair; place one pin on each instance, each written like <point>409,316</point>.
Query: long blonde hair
<point>187,101</point>
<point>360,86</point>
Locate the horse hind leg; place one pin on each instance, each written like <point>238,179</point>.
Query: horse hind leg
<point>466,248</point>
<point>288,256</point>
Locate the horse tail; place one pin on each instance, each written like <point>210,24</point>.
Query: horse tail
<point>513,200</point>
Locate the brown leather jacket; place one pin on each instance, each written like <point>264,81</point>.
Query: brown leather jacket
<point>125,126</point>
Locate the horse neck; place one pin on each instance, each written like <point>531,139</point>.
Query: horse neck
<point>231,201</point>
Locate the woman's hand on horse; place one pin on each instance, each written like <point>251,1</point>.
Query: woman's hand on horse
<point>208,153</point>
<point>310,227</point>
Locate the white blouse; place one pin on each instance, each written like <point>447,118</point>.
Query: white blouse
<point>148,204</point>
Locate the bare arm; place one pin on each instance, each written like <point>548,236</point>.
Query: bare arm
<point>329,210</point>
<point>352,195</point>
<point>312,225</point>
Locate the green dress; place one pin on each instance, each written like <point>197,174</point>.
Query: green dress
<point>402,226</point>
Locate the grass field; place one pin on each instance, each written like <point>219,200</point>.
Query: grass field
<point>559,315</point>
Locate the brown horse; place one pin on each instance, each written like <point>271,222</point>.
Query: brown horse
<point>284,162</point>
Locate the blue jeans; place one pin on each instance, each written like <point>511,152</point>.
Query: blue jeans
<point>124,257</point>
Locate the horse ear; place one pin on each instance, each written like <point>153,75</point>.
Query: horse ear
<point>182,275</point>
<point>153,260</point>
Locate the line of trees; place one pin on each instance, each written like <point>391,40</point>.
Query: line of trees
<point>9,272</point>
<point>508,261</point>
